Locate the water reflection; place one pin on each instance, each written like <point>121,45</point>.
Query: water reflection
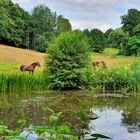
<point>119,118</point>
<point>110,123</point>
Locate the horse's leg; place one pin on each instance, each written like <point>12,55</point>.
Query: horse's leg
<point>32,72</point>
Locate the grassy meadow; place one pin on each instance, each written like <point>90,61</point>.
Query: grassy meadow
<point>11,58</point>
<point>122,72</point>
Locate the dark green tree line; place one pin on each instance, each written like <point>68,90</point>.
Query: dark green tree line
<point>31,31</point>
<point>96,39</point>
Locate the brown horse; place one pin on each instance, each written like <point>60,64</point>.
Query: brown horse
<point>103,64</point>
<point>30,68</point>
<point>96,63</point>
<point>99,63</point>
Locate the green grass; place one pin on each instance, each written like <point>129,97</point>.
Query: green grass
<point>10,82</point>
<point>10,68</point>
<point>112,59</point>
<point>109,56</point>
<point>122,74</point>
<point>11,58</point>
<point>15,68</point>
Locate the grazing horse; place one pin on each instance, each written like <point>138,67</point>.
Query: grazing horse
<point>103,64</point>
<point>99,63</point>
<point>96,63</point>
<point>30,68</point>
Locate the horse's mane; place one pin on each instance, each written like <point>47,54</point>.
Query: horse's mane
<point>34,63</point>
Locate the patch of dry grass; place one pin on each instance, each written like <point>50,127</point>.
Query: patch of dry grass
<point>12,58</point>
<point>112,59</point>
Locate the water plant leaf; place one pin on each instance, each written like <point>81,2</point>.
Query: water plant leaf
<point>91,139</point>
<point>53,118</point>
<point>64,129</point>
<point>3,128</point>
<point>93,117</point>
<point>47,109</point>
<point>100,136</point>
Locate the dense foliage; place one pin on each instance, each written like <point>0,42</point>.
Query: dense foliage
<point>118,39</point>
<point>96,39</point>
<point>67,61</point>
<point>31,31</point>
<point>37,29</point>
<point>63,25</point>
<point>44,26</point>
<point>106,34</point>
<point>12,24</point>
<point>130,20</point>
<point>134,42</point>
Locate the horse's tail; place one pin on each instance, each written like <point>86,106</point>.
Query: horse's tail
<point>22,67</point>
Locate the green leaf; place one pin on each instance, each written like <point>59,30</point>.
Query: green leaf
<point>53,118</point>
<point>100,136</point>
<point>64,129</point>
<point>3,128</point>
<point>47,109</point>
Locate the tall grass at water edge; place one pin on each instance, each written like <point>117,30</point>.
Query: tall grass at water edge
<point>21,82</point>
<point>122,79</point>
<point>117,79</point>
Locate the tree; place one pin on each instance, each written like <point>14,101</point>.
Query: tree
<point>44,23</point>
<point>97,40</point>
<point>12,23</point>
<point>133,46</point>
<point>41,43</point>
<point>117,39</point>
<point>67,61</point>
<point>130,20</point>
<point>106,34</point>
<point>4,22</point>
<point>86,32</point>
<point>63,25</point>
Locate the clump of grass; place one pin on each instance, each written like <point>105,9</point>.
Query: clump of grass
<point>117,79</point>
<point>21,82</point>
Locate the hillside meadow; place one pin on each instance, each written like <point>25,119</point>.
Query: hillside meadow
<point>11,58</point>
<point>121,75</point>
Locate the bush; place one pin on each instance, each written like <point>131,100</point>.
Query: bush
<point>116,79</point>
<point>68,57</point>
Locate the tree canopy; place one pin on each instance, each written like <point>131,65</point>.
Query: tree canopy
<point>37,29</point>
<point>97,40</point>
<point>31,31</point>
<point>63,24</point>
<point>133,47</point>
<point>130,20</point>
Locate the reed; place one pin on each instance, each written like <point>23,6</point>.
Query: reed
<point>10,82</point>
<point>122,79</point>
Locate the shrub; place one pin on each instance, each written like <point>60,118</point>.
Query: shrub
<point>116,78</point>
<point>68,57</point>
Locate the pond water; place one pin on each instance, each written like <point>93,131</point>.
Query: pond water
<point>119,117</point>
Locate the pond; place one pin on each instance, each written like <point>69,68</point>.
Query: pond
<point>119,117</point>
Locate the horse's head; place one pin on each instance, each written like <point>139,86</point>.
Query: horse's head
<point>103,64</point>
<point>38,64</point>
